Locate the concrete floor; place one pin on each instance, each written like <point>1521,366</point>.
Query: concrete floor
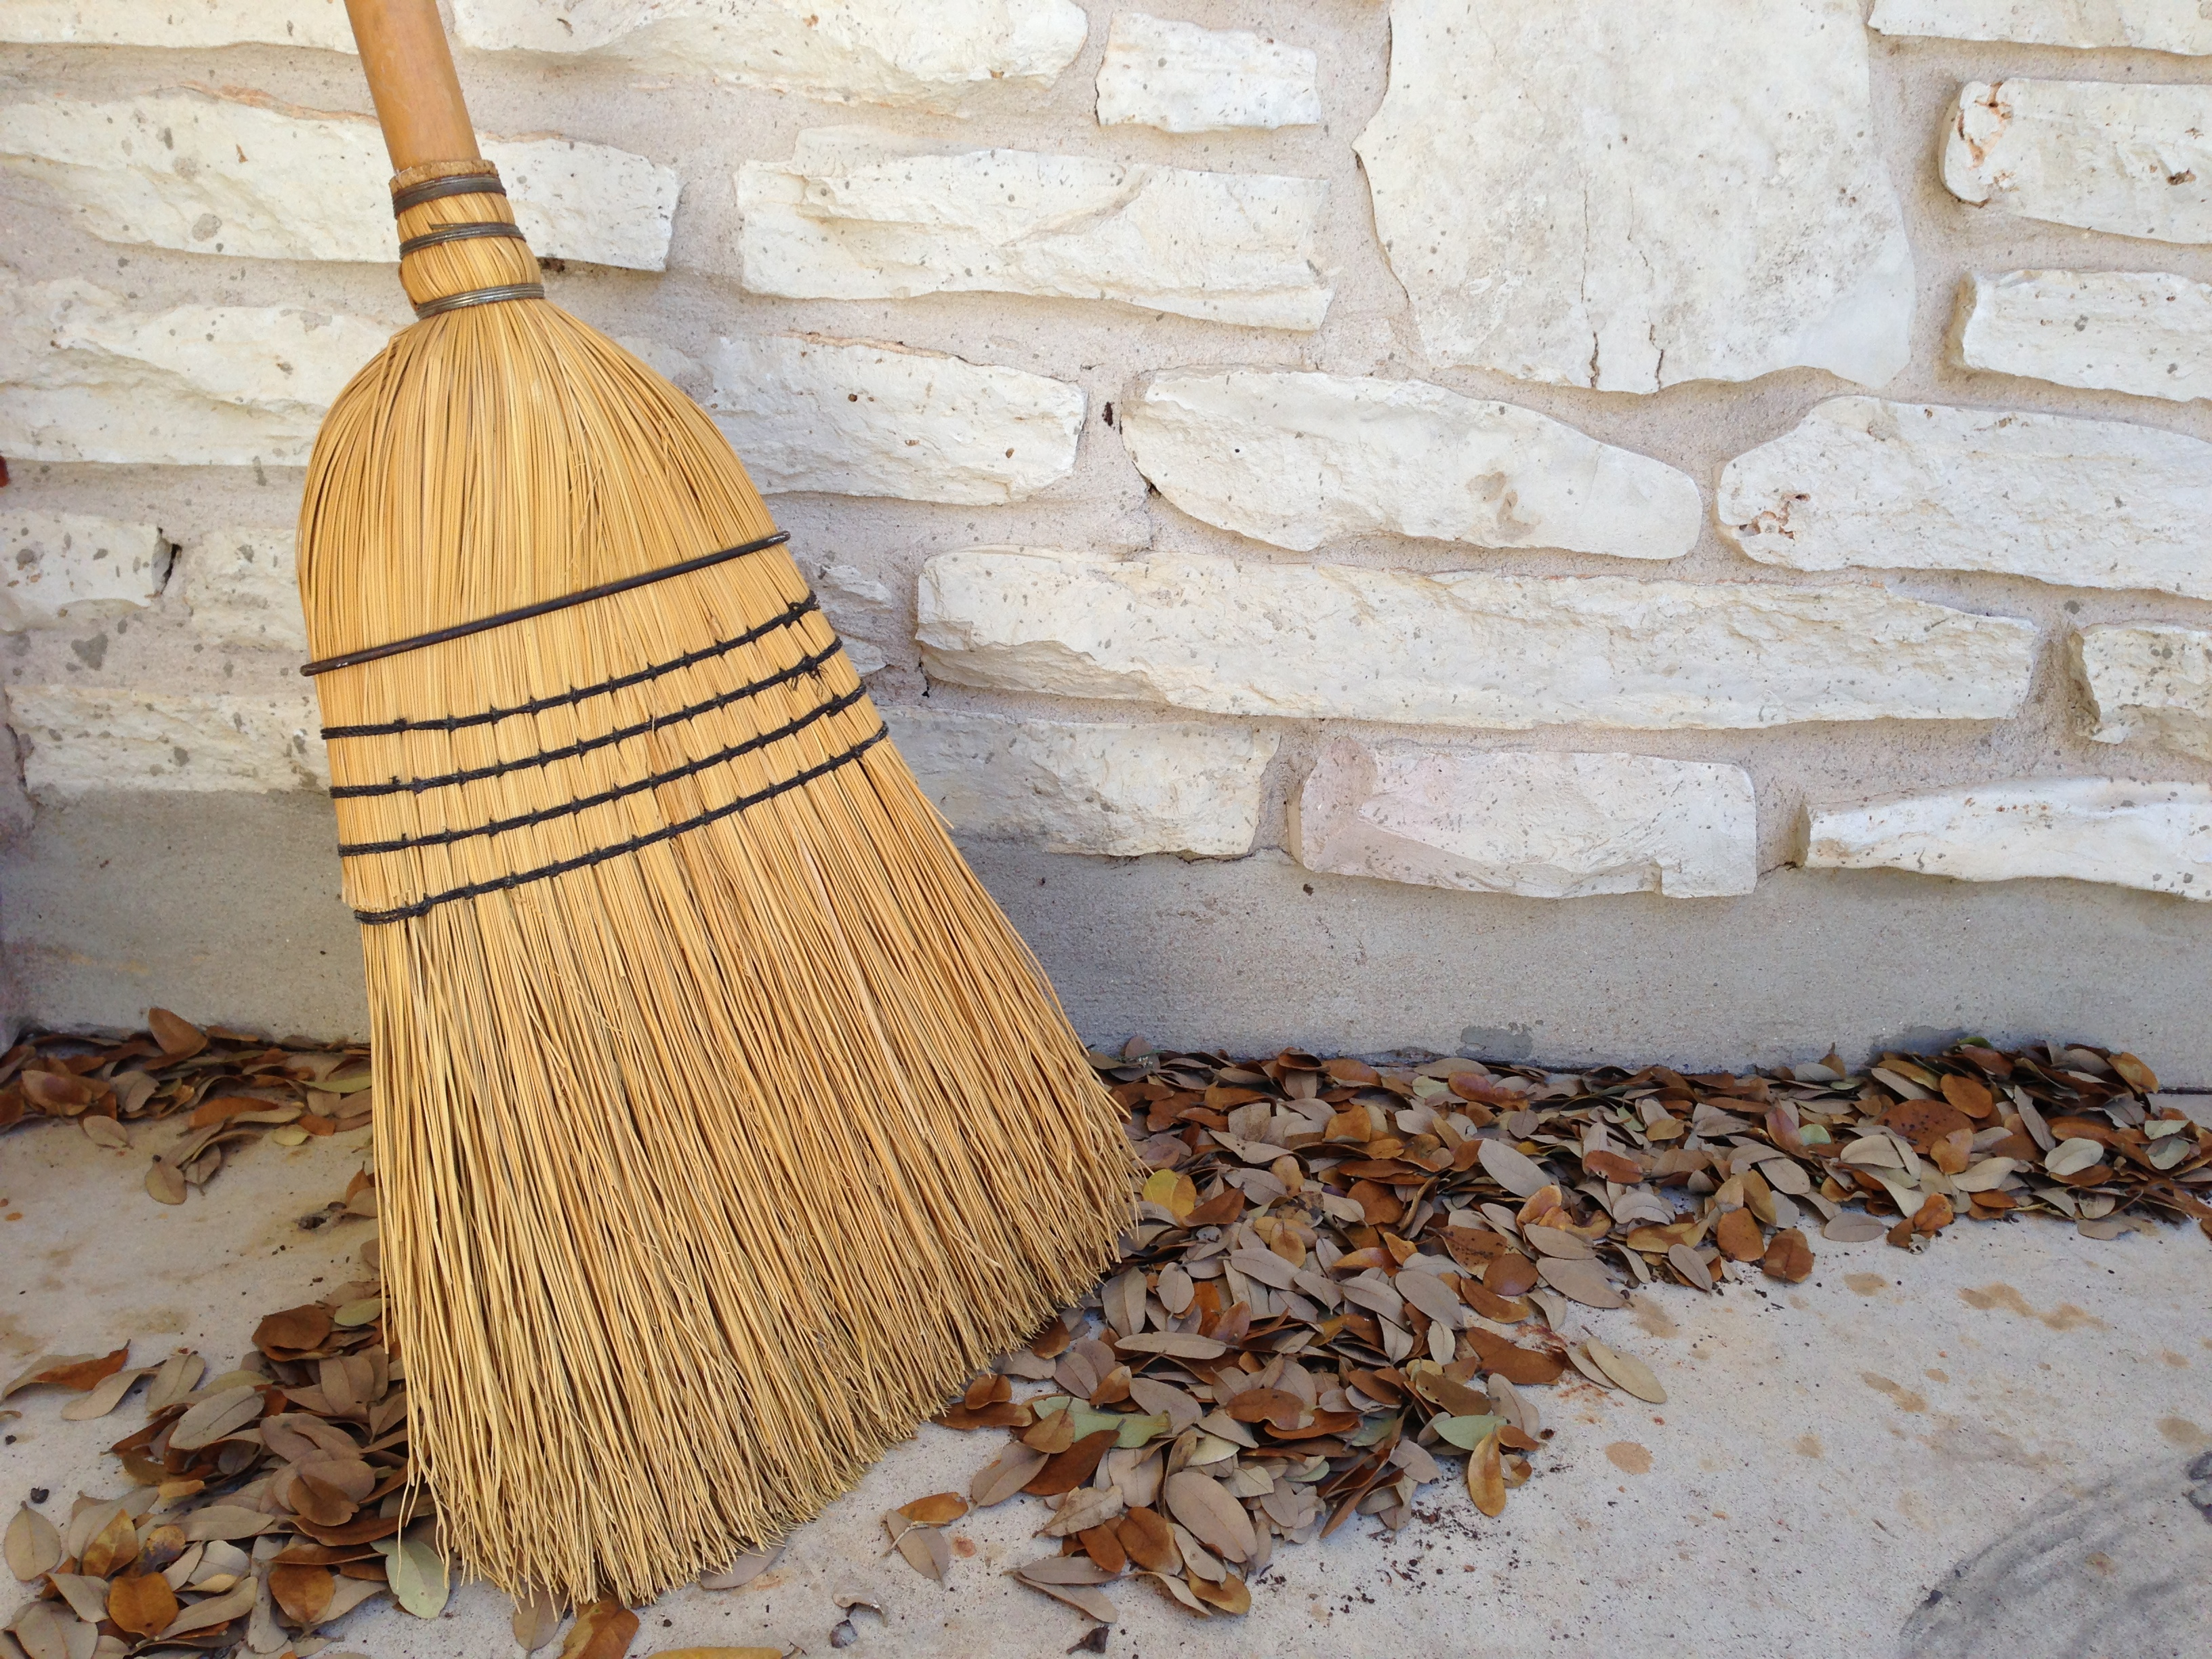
<point>2008,1419</point>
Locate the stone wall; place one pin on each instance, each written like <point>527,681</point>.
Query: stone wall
<point>1597,463</point>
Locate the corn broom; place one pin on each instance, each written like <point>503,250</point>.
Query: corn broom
<point>723,1127</point>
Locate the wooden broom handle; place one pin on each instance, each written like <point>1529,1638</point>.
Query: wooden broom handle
<point>410,76</point>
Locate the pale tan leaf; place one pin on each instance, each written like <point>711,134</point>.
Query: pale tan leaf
<point>1631,1373</point>
<point>34,1545</point>
<point>741,1571</point>
<point>536,1619</point>
<point>1215,1519</point>
<point>604,1630</point>
<point>1014,1467</point>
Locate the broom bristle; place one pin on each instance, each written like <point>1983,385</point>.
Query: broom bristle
<point>724,1126</point>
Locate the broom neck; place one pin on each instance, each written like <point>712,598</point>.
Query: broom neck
<point>410,76</point>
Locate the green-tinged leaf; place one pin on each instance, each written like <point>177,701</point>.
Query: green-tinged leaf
<point>1465,1432</point>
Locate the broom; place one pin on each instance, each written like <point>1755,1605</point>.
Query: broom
<point>724,1126</point>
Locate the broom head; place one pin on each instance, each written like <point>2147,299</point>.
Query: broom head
<point>724,1126</point>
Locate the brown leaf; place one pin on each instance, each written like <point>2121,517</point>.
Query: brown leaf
<point>1501,1356</point>
<point>1150,1541</point>
<point>1585,1282</point>
<point>1102,1544</point>
<point>1925,1122</point>
<point>536,1618</point>
<point>1612,1166</point>
<point>165,1182</point>
<point>939,1509</point>
<point>1485,1476</point>
<point>79,1371</point>
<point>1508,1275</point>
<point>1970,1095</point>
<point>1065,1471</point>
<point>1013,1468</point>
<point>1215,1519</point>
<point>303,1592</point>
<point>1789,1257</point>
<point>294,1331</point>
<point>1738,1236</point>
<point>604,1630</point>
<point>1053,1433</point>
<point>115,1547</point>
<point>179,1038</point>
<point>924,1547</point>
<point>1228,1595</point>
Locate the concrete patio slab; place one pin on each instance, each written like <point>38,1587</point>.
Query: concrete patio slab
<point>1982,1450</point>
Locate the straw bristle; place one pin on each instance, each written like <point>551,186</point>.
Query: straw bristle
<point>711,1165</point>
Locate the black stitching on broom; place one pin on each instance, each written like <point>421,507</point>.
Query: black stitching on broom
<point>542,607</point>
<point>810,664</point>
<point>794,613</point>
<point>468,233</point>
<point>568,809</point>
<point>460,184</point>
<point>636,843</point>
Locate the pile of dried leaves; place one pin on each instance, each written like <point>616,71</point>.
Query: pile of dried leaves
<point>268,1501</point>
<point>1344,1275</point>
<point>235,1086</point>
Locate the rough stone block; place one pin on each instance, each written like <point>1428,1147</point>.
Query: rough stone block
<point>1118,791</point>
<point>1300,459</point>
<point>2152,684</point>
<point>939,55</point>
<point>184,24</point>
<point>1181,78</point>
<point>2177,25</point>
<point>1462,648</point>
<point>857,417</point>
<point>2147,332</point>
<point>2157,836</point>
<point>2133,160</point>
<point>85,378</point>
<point>857,214</point>
<point>60,568</point>
<point>1536,825</point>
<point>1625,194</point>
<point>82,738</point>
<point>1922,487</point>
<point>242,174</point>
<point>243,587</point>
<point>864,613</point>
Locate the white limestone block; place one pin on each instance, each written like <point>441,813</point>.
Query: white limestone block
<point>864,614</point>
<point>1627,194</point>
<point>84,737</point>
<point>862,216</point>
<point>2157,836</point>
<point>943,55</point>
<point>85,378</point>
<point>243,587</point>
<point>2177,25</point>
<point>1922,487</point>
<point>2145,331</point>
<point>177,24</point>
<point>1116,790</point>
<point>858,417</point>
<point>2134,160</point>
<point>1462,648</point>
<point>240,173</point>
<point>1181,78</point>
<point>1535,825</point>
<point>2148,682</point>
<point>1300,459</point>
<point>65,568</point>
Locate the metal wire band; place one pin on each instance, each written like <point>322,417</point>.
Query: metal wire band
<point>810,664</point>
<point>479,296</point>
<point>795,611</point>
<point>636,843</point>
<point>461,234</point>
<point>523,613</point>
<point>606,797</point>
<point>459,183</point>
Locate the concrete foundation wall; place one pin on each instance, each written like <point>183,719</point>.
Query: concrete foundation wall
<point>226,908</point>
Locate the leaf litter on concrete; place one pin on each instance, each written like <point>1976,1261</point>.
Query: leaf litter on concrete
<point>1344,1282</point>
<point>1344,1277</point>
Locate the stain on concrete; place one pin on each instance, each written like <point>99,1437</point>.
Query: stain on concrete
<point>2183,1432</point>
<point>1865,1284</point>
<point>2063,1317</point>
<point>1902,1397</point>
<point>1629,1456</point>
<point>1807,1445</point>
<point>1652,1319</point>
<point>2123,1569</point>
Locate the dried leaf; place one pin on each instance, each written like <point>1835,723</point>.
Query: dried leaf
<point>214,1613</point>
<point>46,1631</point>
<point>219,1414</point>
<point>1229,1595</point>
<point>294,1331</point>
<point>1150,1541</point>
<point>924,1547</point>
<point>1853,1227</point>
<point>939,1509</point>
<point>106,1396</point>
<point>604,1630</point>
<point>739,1573</point>
<point>1013,1468</point>
<point>1065,1471</point>
<point>1789,1258</point>
<point>1173,1344</point>
<point>303,1592</point>
<point>417,1575</point>
<point>77,1371</point>
<point>114,1547</point>
<point>1586,1282</point>
<point>179,1038</point>
<point>1512,1170</point>
<point>1094,1603</point>
<point>1632,1374</point>
<point>1216,1519</point>
<point>1486,1477</point>
<point>34,1545</point>
<point>1063,1569</point>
